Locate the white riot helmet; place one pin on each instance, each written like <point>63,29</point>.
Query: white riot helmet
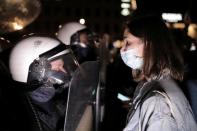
<point>68,30</point>
<point>31,60</point>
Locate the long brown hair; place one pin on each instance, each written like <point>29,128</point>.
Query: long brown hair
<point>160,50</point>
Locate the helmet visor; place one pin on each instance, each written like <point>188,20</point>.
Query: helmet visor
<point>55,67</point>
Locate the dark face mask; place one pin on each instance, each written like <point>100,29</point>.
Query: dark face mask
<point>43,94</point>
<point>57,80</point>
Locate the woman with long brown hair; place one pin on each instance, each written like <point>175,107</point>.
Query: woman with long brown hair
<point>157,64</point>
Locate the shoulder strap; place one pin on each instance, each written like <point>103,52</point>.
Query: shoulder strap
<point>145,92</point>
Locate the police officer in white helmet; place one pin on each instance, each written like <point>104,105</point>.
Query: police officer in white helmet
<point>46,66</point>
<point>81,40</point>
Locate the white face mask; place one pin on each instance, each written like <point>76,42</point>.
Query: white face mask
<point>130,59</point>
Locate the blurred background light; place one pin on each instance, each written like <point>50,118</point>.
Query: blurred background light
<point>17,14</point>
<point>125,5</point>
<point>125,0</point>
<point>192,31</point>
<point>82,21</point>
<point>17,26</point>
<point>172,17</point>
<point>125,12</point>
<point>133,4</point>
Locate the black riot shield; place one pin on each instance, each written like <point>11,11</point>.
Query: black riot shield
<point>81,96</point>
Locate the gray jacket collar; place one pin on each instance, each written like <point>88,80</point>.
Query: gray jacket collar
<point>145,88</point>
